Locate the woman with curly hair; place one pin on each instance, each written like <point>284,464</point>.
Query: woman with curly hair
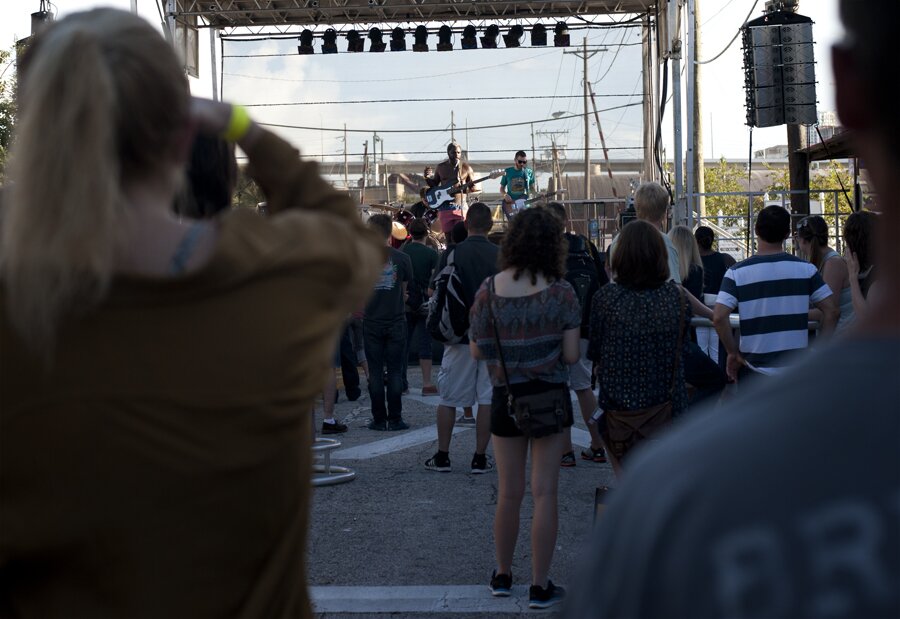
<point>537,319</point>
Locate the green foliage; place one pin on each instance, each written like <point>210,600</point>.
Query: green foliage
<point>726,178</point>
<point>247,193</point>
<point>825,181</point>
<point>7,107</point>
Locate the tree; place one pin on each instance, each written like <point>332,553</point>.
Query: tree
<point>831,181</point>
<point>7,108</point>
<point>726,178</point>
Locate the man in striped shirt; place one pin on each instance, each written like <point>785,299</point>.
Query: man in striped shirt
<point>772,291</point>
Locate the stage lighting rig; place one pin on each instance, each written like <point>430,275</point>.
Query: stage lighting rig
<point>489,40</point>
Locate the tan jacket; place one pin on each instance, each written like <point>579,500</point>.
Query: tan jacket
<point>161,468</point>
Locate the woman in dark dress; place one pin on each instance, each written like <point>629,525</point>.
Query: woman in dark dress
<point>636,323</point>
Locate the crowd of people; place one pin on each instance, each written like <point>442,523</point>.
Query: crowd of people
<point>156,342</point>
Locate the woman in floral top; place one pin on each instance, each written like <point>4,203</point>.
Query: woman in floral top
<point>635,326</point>
<point>538,319</point>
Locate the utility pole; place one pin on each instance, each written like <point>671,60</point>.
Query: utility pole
<point>680,214</point>
<point>700,166</point>
<point>584,54</point>
<point>533,158</point>
<point>213,35</point>
<point>452,127</point>
<point>648,65</point>
<point>346,164</point>
<point>612,184</point>
<point>375,140</point>
<point>365,173</point>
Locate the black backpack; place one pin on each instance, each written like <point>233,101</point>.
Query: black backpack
<point>448,314</point>
<point>583,273</point>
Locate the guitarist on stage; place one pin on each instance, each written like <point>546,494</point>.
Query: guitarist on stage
<point>516,183</point>
<point>461,174</point>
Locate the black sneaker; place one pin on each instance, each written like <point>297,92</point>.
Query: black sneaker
<point>539,597</point>
<point>595,455</point>
<point>397,424</point>
<point>437,463</point>
<point>501,585</point>
<point>333,428</point>
<point>481,464</point>
<point>380,426</point>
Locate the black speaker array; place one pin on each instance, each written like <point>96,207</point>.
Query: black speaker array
<point>779,70</point>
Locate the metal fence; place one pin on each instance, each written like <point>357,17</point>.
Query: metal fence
<point>600,220</point>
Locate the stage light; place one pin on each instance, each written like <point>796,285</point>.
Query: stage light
<point>329,42</point>
<point>306,42</point>
<point>489,40</point>
<point>355,42</point>
<point>376,40</point>
<point>538,35</point>
<point>398,40</point>
<point>470,38</point>
<point>445,39</point>
<point>561,38</point>
<point>421,39</point>
<point>511,39</point>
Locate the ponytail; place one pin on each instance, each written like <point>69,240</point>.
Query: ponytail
<point>101,97</point>
<point>58,233</point>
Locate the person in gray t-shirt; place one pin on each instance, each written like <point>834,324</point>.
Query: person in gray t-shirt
<point>788,503</point>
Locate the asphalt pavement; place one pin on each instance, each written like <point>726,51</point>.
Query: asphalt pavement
<point>403,541</point>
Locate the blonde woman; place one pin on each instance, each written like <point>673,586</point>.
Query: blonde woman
<point>157,374</point>
<point>690,265</point>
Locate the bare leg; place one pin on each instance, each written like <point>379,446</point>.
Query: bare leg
<point>467,412</point>
<point>328,394</point>
<point>511,453</point>
<point>482,428</point>
<point>425,365</point>
<point>587,402</point>
<point>446,419</point>
<point>544,483</point>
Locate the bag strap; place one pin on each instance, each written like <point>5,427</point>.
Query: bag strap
<point>678,352</point>
<point>509,396</point>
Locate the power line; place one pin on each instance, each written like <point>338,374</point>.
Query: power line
<point>426,100</point>
<point>444,129</point>
<point>716,57</point>
<point>443,152</point>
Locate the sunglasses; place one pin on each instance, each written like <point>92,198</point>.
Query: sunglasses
<point>519,161</point>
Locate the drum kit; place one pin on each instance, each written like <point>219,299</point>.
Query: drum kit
<point>403,217</point>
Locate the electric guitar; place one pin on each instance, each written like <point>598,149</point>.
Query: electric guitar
<point>521,203</point>
<point>439,196</point>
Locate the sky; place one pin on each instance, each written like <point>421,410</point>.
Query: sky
<point>543,80</point>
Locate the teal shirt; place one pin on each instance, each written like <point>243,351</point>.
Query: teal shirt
<point>518,183</point>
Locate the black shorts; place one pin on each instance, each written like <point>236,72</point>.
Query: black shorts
<point>502,421</point>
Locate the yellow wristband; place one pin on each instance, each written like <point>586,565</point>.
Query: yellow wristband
<point>238,124</point>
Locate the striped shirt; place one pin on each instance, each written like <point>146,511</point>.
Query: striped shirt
<point>772,293</point>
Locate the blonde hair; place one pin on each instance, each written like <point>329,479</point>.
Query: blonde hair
<point>651,201</point>
<point>688,251</point>
<point>102,102</point>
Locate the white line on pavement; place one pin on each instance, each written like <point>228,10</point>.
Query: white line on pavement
<point>442,599</point>
<point>400,442</point>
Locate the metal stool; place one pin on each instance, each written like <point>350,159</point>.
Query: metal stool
<point>324,472</point>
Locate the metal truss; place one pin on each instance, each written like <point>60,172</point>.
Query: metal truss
<point>279,16</point>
